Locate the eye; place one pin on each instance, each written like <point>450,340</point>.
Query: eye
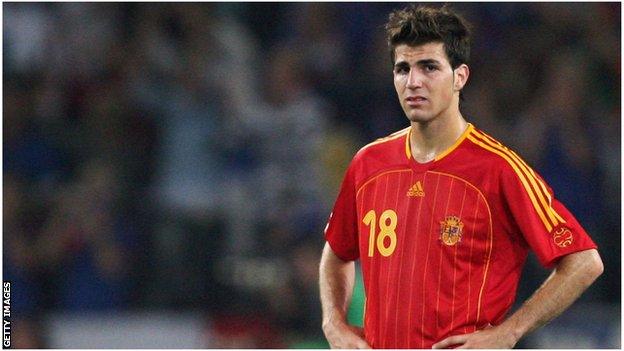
<point>401,70</point>
<point>430,68</point>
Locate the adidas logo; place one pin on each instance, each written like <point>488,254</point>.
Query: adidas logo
<point>416,190</point>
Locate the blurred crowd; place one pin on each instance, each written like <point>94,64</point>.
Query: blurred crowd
<point>187,155</point>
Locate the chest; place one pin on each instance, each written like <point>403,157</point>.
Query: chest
<point>403,211</point>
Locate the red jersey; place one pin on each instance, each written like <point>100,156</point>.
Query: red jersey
<point>442,244</point>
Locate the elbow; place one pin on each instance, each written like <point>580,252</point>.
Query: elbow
<point>586,265</point>
<point>594,266</point>
<point>597,266</point>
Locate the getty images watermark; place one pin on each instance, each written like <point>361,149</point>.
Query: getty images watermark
<point>6,314</point>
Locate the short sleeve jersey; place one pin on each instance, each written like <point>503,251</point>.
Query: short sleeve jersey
<point>442,244</point>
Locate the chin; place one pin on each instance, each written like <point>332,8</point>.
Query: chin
<point>419,117</point>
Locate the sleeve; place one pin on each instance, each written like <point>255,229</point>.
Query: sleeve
<point>342,227</point>
<point>546,224</point>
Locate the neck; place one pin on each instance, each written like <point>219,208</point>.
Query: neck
<point>431,138</point>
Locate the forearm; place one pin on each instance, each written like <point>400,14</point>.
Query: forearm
<point>336,286</point>
<point>336,281</point>
<point>573,275</point>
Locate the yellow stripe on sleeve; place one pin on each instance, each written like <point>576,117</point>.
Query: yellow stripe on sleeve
<point>529,175</point>
<point>521,176</point>
<point>554,216</point>
<point>543,186</point>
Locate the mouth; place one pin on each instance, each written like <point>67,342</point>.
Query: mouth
<point>415,100</point>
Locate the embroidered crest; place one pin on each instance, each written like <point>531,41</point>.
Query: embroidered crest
<point>562,237</point>
<point>451,230</point>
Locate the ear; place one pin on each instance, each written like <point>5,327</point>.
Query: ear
<point>461,74</point>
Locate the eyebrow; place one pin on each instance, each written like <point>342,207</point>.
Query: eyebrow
<point>428,62</point>
<point>419,62</point>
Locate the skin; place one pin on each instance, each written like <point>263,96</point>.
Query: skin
<point>426,72</point>
<point>437,123</point>
<point>336,280</point>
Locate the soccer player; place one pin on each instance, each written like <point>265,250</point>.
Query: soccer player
<point>442,215</point>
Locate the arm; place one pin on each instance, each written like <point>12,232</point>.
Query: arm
<point>337,278</point>
<point>574,273</point>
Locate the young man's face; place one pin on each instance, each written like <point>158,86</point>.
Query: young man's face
<point>424,81</point>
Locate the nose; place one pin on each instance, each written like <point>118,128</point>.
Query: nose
<point>414,80</point>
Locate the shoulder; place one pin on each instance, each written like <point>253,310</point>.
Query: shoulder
<point>497,157</point>
<point>492,151</point>
<point>387,153</point>
<point>387,146</point>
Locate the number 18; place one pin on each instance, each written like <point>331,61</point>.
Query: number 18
<point>385,230</point>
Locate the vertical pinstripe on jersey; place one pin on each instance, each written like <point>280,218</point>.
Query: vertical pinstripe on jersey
<point>396,317</point>
<point>461,212</point>
<point>424,272</point>
<point>395,208</point>
<point>381,274</point>
<point>370,273</point>
<point>457,298</point>
<point>381,328</point>
<point>359,213</point>
<point>487,264</point>
<point>490,235</point>
<point>448,201</point>
<point>371,179</point>
<point>362,195</point>
<point>470,266</point>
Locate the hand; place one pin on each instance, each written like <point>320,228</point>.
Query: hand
<point>488,338</point>
<point>344,336</point>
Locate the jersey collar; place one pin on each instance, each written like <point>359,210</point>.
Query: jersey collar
<point>408,149</point>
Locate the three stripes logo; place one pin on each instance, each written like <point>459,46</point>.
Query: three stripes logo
<point>416,190</point>
<point>535,188</point>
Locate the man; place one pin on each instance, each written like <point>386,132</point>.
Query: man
<point>442,216</point>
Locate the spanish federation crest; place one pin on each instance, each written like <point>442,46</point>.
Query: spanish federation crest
<point>451,230</point>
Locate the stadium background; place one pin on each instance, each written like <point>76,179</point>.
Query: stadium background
<point>168,168</point>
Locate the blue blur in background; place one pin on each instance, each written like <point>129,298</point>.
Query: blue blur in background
<point>168,168</point>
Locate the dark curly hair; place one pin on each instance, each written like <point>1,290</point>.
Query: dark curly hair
<point>420,25</point>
